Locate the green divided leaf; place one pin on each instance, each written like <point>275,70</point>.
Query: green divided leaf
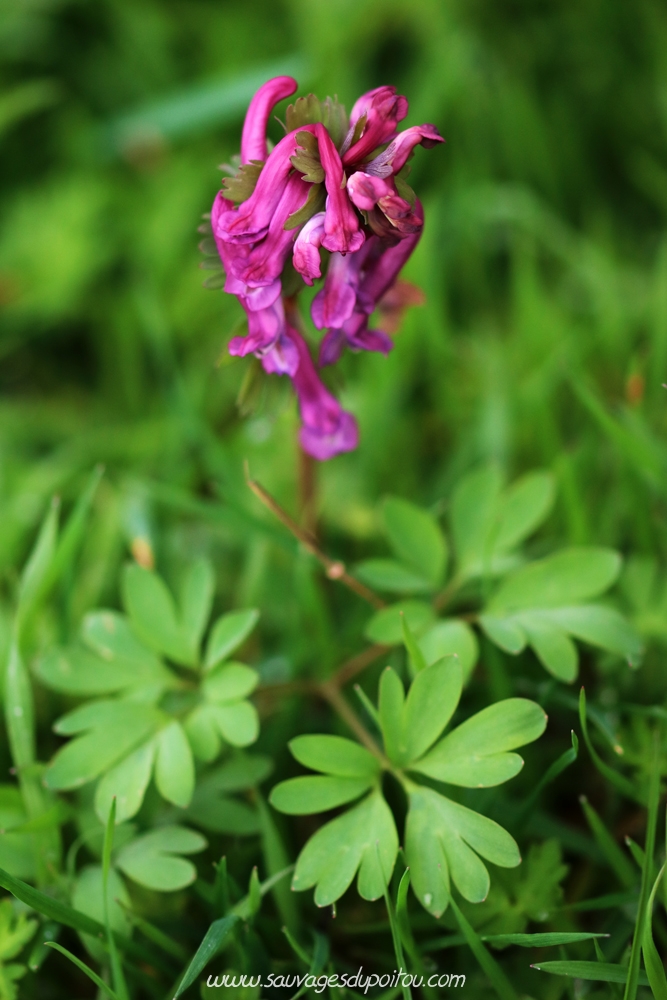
<point>317,793</point>
<point>88,898</point>
<point>430,704</point>
<point>386,625</point>
<point>416,538</point>
<point>443,839</point>
<point>237,721</point>
<point>335,755</point>
<point>112,729</point>
<point>109,635</point>
<point>363,838</point>
<point>227,634</point>
<point>523,508</point>
<point>196,600</point>
<point>174,767</point>
<point>230,683</point>
<point>126,782</point>
<point>153,859</point>
<point>475,754</point>
<point>568,577</point>
<point>153,615</point>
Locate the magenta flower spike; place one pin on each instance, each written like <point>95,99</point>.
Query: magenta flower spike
<point>326,200</point>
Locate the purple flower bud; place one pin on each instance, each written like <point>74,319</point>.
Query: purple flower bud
<point>397,152</point>
<point>306,257</point>
<point>365,190</point>
<point>341,222</point>
<point>383,110</point>
<point>253,139</point>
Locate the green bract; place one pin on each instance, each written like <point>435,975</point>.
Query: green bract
<point>156,720</point>
<point>543,605</point>
<point>444,841</point>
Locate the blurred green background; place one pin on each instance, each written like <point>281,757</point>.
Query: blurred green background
<point>544,262</point>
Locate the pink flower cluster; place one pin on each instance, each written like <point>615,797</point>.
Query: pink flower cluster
<point>368,228</point>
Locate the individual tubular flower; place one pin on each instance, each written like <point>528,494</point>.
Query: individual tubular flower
<point>325,186</point>
<point>327,429</point>
<point>354,287</point>
<point>253,138</point>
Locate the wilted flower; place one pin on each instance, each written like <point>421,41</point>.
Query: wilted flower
<point>329,184</point>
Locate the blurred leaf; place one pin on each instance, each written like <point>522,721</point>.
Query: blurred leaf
<point>112,729</point>
<point>127,782</point>
<point>451,637</point>
<point>227,634</point>
<point>230,683</point>
<point>153,615</point>
<point>655,970</point>
<point>523,508</point>
<point>237,721</point>
<point>391,576</point>
<point>416,538</point>
<point>568,577</point>
<point>152,860</point>
<point>386,625</point>
<point>197,600</point>
<point>174,766</point>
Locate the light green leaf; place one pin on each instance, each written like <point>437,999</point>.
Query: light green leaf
<point>386,626</point>
<point>451,637</point>
<point>523,508</point>
<point>553,647</point>
<point>242,771</point>
<point>152,861</point>
<point>238,722</point>
<point>391,576</point>
<point>443,838</point>
<point>391,702</point>
<point>416,538</point>
<point>475,753</point>
<point>109,635</point>
<point>174,766</point>
<point>317,793</point>
<point>78,672</point>
<point>16,849</point>
<point>196,601</point>
<point>36,570</point>
<point>430,704</point>
<point>362,838</point>
<point>88,898</point>
<point>568,577</point>
<point>153,615</point>
<point>203,733</point>
<point>227,635</point>
<point>127,783</point>
<point>112,729</point>
<point>504,632</point>
<point>334,755</point>
<point>601,626</point>
<point>475,504</point>
<point>230,682</point>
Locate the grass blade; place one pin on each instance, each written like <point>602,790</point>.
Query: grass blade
<point>101,985</point>
<point>499,980</point>
<point>617,780</point>
<point>116,966</point>
<point>619,863</point>
<point>213,941</point>
<point>651,825</point>
<point>395,932</point>
<point>595,972</point>
<point>655,970</point>
<point>547,939</point>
